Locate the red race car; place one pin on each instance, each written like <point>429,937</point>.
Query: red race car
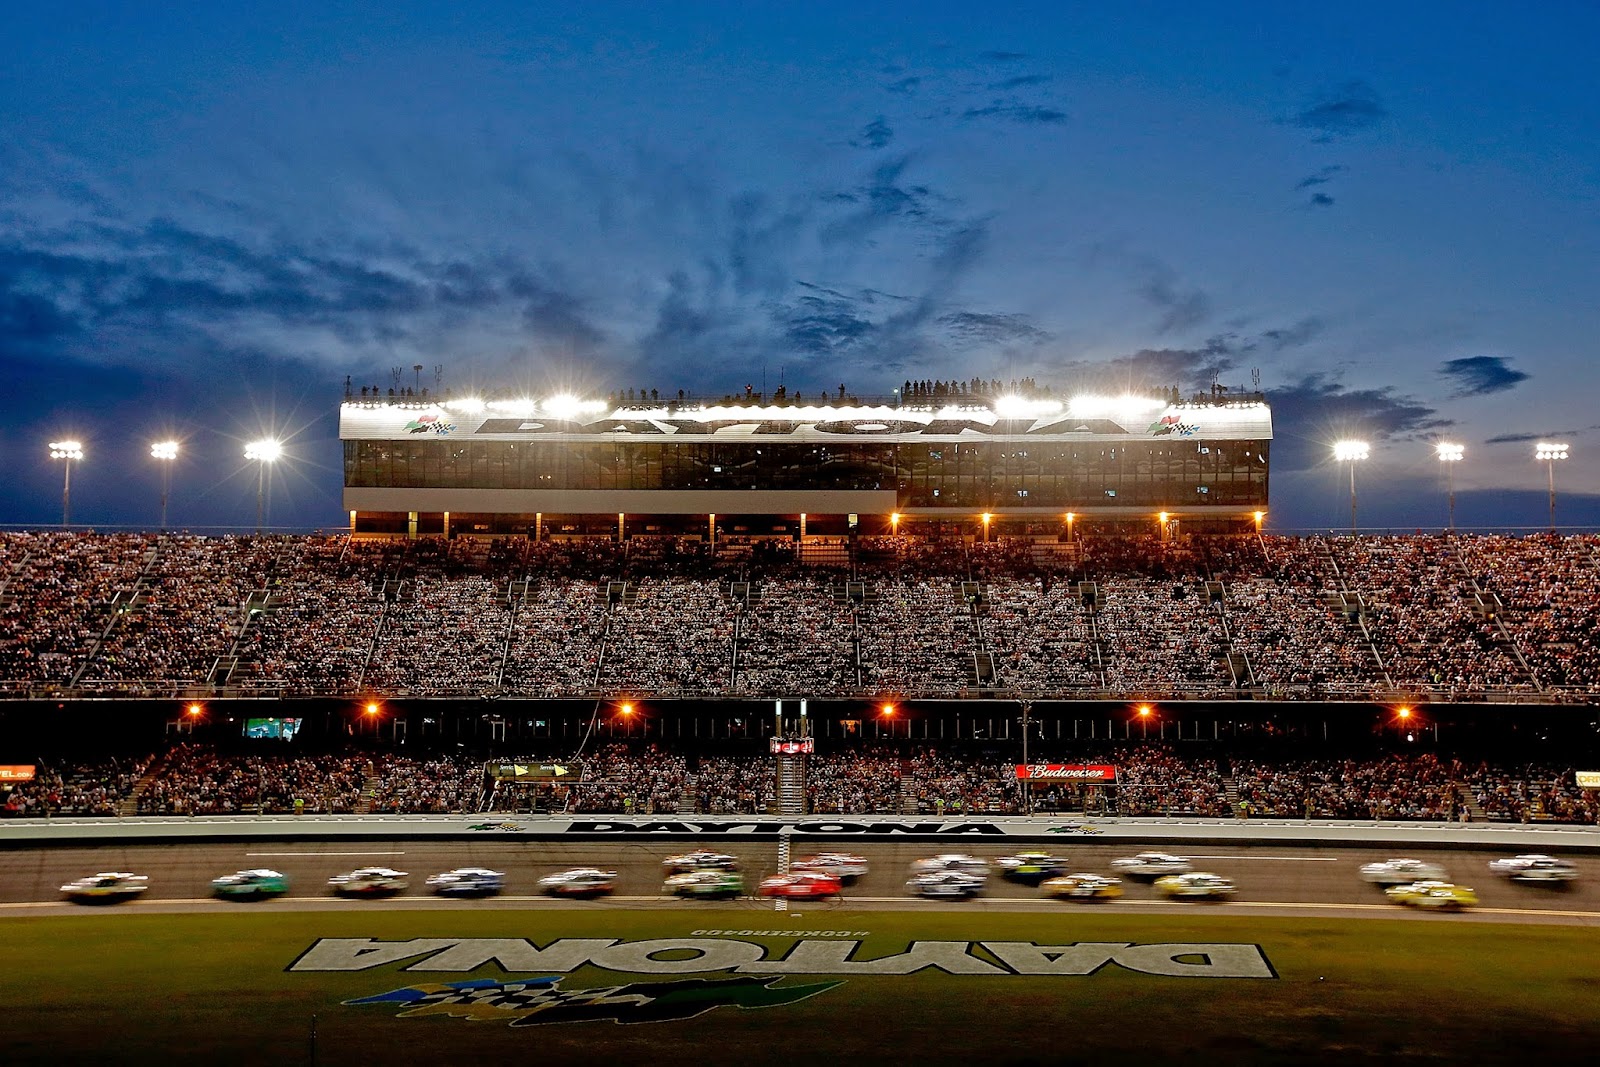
<point>801,885</point>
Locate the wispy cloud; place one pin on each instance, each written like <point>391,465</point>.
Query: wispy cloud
<point>1347,109</point>
<point>1321,177</point>
<point>1481,375</point>
<point>1321,200</point>
<point>875,134</point>
<point>1322,409</point>
<point>1027,114</point>
<point>1020,81</point>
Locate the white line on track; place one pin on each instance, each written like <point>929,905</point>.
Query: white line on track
<point>324,853</point>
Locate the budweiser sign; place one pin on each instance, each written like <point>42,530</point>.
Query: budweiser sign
<point>1066,772</point>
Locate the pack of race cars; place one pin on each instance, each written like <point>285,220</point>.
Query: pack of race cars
<point>705,874</point>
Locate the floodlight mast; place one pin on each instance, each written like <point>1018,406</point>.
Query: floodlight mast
<point>165,452</point>
<point>1450,454</point>
<point>1548,452</point>
<point>69,451</point>
<point>264,451</point>
<point>1351,452</point>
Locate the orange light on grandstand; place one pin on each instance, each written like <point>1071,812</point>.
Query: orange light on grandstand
<point>894,521</point>
<point>1260,515</point>
<point>1144,711</point>
<point>1404,713</point>
<point>372,709</point>
<point>1163,517</point>
<point>888,711</point>
<point>195,709</point>
<point>626,709</point>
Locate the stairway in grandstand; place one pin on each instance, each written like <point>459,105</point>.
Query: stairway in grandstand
<point>369,791</point>
<point>129,805</point>
<point>791,786</point>
<point>123,603</point>
<point>689,799</point>
<point>1230,789</point>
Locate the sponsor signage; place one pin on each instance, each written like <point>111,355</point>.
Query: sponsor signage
<point>793,746</point>
<point>833,956</point>
<point>17,772</point>
<point>1066,772</point>
<point>1589,779</point>
<point>523,771</point>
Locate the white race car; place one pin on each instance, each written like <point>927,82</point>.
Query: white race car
<point>1401,872</point>
<point>1151,865</point>
<point>579,882</point>
<point>1197,885</point>
<point>106,888</point>
<point>845,866</point>
<point>467,882</point>
<point>369,882</point>
<point>1535,867</point>
<point>953,884</point>
<point>701,860</point>
<point>952,861</point>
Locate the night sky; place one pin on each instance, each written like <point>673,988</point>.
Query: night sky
<point>211,214</point>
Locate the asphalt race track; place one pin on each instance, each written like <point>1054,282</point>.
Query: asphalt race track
<point>1271,878</point>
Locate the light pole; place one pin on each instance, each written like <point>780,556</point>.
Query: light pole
<point>263,452</point>
<point>165,452</point>
<point>1351,452</point>
<point>1549,452</point>
<point>1450,455</point>
<point>69,451</point>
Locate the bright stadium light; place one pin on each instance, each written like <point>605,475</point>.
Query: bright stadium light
<point>166,452</point>
<point>1021,407</point>
<point>69,451</point>
<point>1548,452</point>
<point>1351,452</point>
<point>266,450</point>
<point>1450,454</point>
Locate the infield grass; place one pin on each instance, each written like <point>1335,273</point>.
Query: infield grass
<point>125,987</point>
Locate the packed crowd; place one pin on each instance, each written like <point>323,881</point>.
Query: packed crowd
<point>80,787</point>
<point>1468,617</point>
<point>866,781</point>
<point>195,780</point>
<point>1419,787</point>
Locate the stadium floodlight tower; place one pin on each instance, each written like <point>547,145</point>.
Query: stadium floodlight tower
<point>1548,452</point>
<point>1351,452</point>
<point>165,452</point>
<point>265,451</point>
<point>1450,455</point>
<point>68,451</point>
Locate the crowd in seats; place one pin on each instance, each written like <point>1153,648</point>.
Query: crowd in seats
<point>556,638</point>
<point>916,637</point>
<point>322,614</point>
<point>952,783</point>
<point>729,785</point>
<point>1547,586</point>
<point>1153,780</point>
<point>1041,635</point>
<point>795,637</point>
<point>1535,792</point>
<point>1422,621</point>
<point>75,788</point>
<point>860,782</point>
<point>442,636</point>
<point>1161,637</point>
<point>58,594</point>
<point>1419,787</point>
<point>446,785</point>
<point>188,609</point>
<point>674,637</point>
<point>195,780</point>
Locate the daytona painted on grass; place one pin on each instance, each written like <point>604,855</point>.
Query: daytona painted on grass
<point>628,986</point>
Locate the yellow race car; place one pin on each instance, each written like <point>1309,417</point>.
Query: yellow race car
<point>1444,895</point>
<point>1082,887</point>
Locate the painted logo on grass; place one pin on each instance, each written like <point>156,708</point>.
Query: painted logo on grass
<point>542,1001</point>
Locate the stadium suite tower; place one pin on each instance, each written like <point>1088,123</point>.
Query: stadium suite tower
<point>754,466</point>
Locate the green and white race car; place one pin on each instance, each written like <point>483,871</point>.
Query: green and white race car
<point>258,884</point>
<point>712,884</point>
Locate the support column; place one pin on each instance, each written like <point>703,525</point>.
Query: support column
<point>447,526</point>
<point>411,525</point>
<point>711,528</point>
<point>622,527</point>
<point>538,526</point>
<point>802,526</point>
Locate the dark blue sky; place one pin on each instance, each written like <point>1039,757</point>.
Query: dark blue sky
<point>211,214</point>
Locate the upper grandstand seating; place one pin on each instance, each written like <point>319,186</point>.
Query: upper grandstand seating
<point>1458,618</point>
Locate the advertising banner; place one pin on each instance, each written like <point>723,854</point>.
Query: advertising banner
<point>16,772</point>
<point>1066,772</point>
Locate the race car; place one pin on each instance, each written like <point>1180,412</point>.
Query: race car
<point>579,882</point>
<point>800,885</point>
<point>952,884</point>
<point>467,882</point>
<point>1082,887</point>
<point>709,883</point>
<point>845,866</point>
<point>258,884</point>
<point>1030,868</point>
<point>1196,885</point>
<point>1535,867</point>
<point>701,860</point>
<point>1432,894</point>
<point>1401,872</point>
<point>108,887</point>
<point>369,882</point>
<point>951,861</point>
<point>1151,865</point>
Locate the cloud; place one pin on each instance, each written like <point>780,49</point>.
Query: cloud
<point>903,86</point>
<point>1027,114</point>
<point>1321,177</point>
<point>1315,410</point>
<point>1529,438</point>
<point>883,197</point>
<point>1180,307</point>
<point>1293,336</point>
<point>1321,200</point>
<point>1481,375</point>
<point>1348,109</point>
<point>976,328</point>
<point>875,134</point>
<point>1018,82</point>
